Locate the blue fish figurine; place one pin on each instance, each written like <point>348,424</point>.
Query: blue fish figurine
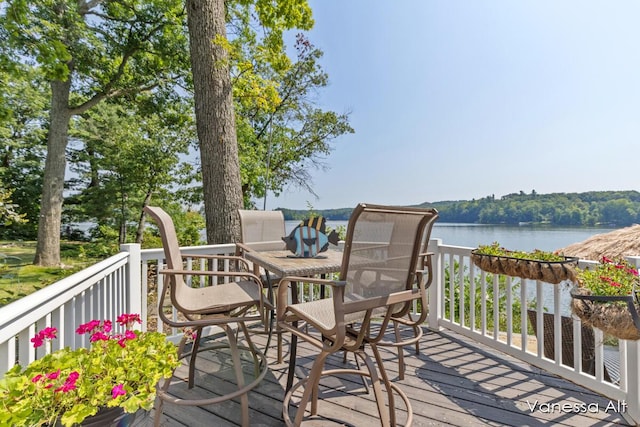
<point>308,239</point>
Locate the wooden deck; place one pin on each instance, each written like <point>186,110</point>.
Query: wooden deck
<point>452,382</point>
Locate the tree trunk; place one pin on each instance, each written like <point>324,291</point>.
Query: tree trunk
<point>215,120</point>
<point>143,216</point>
<point>48,247</point>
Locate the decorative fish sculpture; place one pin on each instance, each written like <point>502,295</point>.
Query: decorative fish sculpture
<point>308,239</point>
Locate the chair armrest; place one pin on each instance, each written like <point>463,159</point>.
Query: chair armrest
<point>242,248</point>
<point>245,274</point>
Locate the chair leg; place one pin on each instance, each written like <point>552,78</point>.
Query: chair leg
<point>376,386</point>
<point>279,338</point>
<point>313,381</point>
<point>253,349</point>
<point>237,367</point>
<point>385,379</point>
<point>194,354</point>
<point>400,348</point>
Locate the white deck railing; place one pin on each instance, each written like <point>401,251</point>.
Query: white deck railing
<point>102,291</point>
<point>128,282</point>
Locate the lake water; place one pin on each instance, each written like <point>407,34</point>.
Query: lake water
<point>525,237</point>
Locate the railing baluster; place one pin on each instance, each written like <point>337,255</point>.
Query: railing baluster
<point>483,307</point>
<point>524,332</point>
<point>509,309</point>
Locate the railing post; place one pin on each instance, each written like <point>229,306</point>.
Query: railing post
<point>633,367</point>
<point>633,381</point>
<point>133,279</point>
<point>435,290</point>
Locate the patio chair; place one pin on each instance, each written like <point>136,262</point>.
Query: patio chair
<point>263,231</point>
<point>376,282</point>
<point>587,340</point>
<point>405,319</point>
<point>235,298</point>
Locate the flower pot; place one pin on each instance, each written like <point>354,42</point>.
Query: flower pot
<point>108,417</point>
<point>546,271</point>
<point>614,315</point>
<point>112,417</point>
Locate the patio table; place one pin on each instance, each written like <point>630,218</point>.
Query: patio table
<point>283,264</point>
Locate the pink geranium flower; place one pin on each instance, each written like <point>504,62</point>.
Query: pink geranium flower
<point>88,327</point>
<point>128,319</point>
<point>47,333</point>
<point>99,336</point>
<point>54,375</point>
<point>118,390</point>
<point>37,341</point>
<point>61,383</point>
<point>69,384</point>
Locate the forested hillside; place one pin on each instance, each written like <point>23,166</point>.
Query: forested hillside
<point>611,208</point>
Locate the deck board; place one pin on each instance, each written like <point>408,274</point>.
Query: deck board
<point>452,382</point>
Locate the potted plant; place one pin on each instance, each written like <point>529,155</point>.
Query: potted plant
<point>536,265</point>
<point>116,376</point>
<point>605,297</point>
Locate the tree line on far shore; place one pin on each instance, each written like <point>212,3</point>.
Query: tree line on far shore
<point>608,208</point>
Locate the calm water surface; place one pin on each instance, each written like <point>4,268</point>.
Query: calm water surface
<point>525,237</point>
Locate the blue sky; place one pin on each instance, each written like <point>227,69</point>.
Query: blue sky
<point>454,100</point>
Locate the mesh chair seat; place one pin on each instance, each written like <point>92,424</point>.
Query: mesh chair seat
<point>321,314</point>
<point>222,298</point>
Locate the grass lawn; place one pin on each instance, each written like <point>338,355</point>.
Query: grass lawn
<point>21,278</point>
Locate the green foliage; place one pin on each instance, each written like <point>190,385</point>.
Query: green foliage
<point>90,52</point>
<point>25,278</point>
<point>495,302</point>
<point>8,214</point>
<point>609,278</point>
<point>615,208</point>
<point>69,385</point>
<point>132,46</point>
<point>281,134</point>
<point>188,225</point>
<point>22,143</point>
<point>612,208</point>
<point>104,242</point>
<point>331,214</point>
<point>124,160</point>
<point>536,254</point>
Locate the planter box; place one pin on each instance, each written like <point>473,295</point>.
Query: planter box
<point>546,271</point>
<point>614,315</point>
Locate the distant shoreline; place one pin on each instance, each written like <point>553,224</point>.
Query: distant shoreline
<point>588,209</point>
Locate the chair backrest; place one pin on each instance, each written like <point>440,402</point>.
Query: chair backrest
<point>172,255</point>
<point>382,248</point>
<point>262,230</point>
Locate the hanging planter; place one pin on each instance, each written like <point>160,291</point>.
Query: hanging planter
<point>607,297</point>
<point>537,265</point>
<point>614,315</point>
